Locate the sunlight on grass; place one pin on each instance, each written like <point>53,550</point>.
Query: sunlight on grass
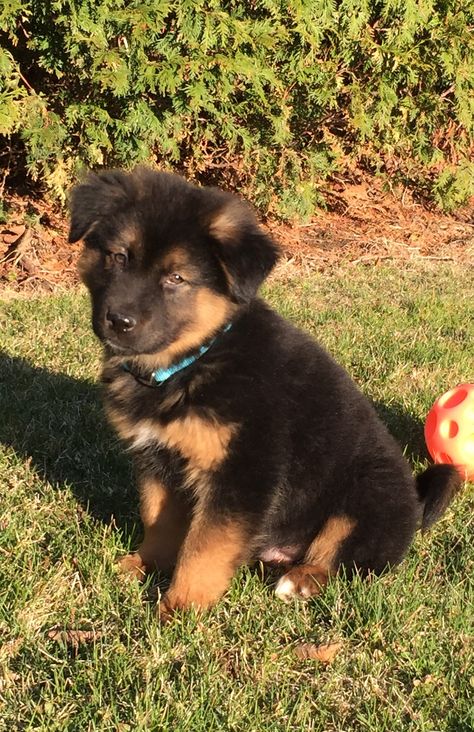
<point>68,509</point>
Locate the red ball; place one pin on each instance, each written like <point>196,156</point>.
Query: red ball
<point>449,429</point>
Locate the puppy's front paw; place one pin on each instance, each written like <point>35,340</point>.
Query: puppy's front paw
<point>173,603</point>
<point>165,611</point>
<point>132,565</point>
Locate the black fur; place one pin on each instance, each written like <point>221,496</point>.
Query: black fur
<point>308,446</point>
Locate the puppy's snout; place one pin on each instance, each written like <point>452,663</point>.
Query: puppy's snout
<point>120,322</point>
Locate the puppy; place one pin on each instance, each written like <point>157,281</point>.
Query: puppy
<point>249,441</point>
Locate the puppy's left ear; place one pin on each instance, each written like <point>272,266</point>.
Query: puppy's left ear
<point>245,252</point>
<point>99,197</point>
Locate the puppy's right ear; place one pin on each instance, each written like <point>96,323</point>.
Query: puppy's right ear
<point>98,197</point>
<point>245,252</point>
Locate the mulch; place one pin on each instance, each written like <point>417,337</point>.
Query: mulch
<point>364,224</point>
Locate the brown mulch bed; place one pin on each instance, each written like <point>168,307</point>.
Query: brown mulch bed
<point>371,225</point>
<point>365,225</point>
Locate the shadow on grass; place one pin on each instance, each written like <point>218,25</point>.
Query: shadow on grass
<point>456,724</point>
<point>57,423</point>
<point>406,429</point>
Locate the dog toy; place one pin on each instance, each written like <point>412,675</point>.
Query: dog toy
<point>449,429</point>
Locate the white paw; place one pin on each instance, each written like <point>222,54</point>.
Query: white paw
<point>285,589</point>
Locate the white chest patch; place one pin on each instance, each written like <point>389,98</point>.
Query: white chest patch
<point>144,434</point>
<point>204,442</point>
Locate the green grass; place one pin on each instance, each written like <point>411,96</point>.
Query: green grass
<point>68,509</point>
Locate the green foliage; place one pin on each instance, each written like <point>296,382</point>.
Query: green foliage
<point>263,96</point>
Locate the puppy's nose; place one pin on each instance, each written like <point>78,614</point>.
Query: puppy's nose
<point>120,322</point>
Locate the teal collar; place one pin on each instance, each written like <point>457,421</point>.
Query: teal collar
<point>159,376</point>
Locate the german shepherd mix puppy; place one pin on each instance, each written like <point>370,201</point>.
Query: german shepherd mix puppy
<point>249,441</point>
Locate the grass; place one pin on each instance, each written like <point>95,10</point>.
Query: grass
<point>68,509</point>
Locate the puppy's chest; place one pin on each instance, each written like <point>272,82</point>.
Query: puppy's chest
<point>140,418</point>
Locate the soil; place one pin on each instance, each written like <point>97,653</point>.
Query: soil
<point>365,224</point>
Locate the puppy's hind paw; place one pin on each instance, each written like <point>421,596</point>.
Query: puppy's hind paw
<point>285,589</point>
<point>302,581</point>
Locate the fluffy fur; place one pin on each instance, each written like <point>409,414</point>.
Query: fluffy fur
<point>263,447</point>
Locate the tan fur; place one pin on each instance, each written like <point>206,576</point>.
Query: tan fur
<point>90,258</point>
<point>176,260</point>
<point>88,261</point>
<point>227,223</point>
<point>166,519</point>
<point>322,551</point>
<point>303,581</point>
<point>212,312</point>
<point>307,579</point>
<point>230,279</point>
<point>121,386</point>
<point>128,237</point>
<point>132,565</point>
<point>204,442</point>
<point>208,560</point>
<point>125,428</point>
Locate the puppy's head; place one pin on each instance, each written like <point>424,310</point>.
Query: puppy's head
<point>167,263</point>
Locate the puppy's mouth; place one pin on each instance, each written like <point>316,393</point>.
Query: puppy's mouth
<point>117,349</point>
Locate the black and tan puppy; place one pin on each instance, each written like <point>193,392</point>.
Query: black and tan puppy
<point>249,441</point>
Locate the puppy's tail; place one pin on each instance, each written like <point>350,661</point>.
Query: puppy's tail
<point>436,487</point>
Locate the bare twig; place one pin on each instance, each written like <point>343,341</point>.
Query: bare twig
<point>17,250</point>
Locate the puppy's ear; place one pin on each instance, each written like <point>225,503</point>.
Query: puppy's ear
<point>97,198</point>
<point>245,252</point>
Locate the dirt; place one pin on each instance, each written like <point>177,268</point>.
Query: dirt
<point>364,224</point>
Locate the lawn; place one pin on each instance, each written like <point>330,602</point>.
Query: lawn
<point>80,648</point>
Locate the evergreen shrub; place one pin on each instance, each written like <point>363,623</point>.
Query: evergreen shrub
<point>266,97</point>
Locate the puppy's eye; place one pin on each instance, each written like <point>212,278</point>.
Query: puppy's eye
<point>174,279</point>
<point>116,259</point>
<point>121,258</point>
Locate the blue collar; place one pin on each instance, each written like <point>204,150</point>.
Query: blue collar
<point>159,376</point>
